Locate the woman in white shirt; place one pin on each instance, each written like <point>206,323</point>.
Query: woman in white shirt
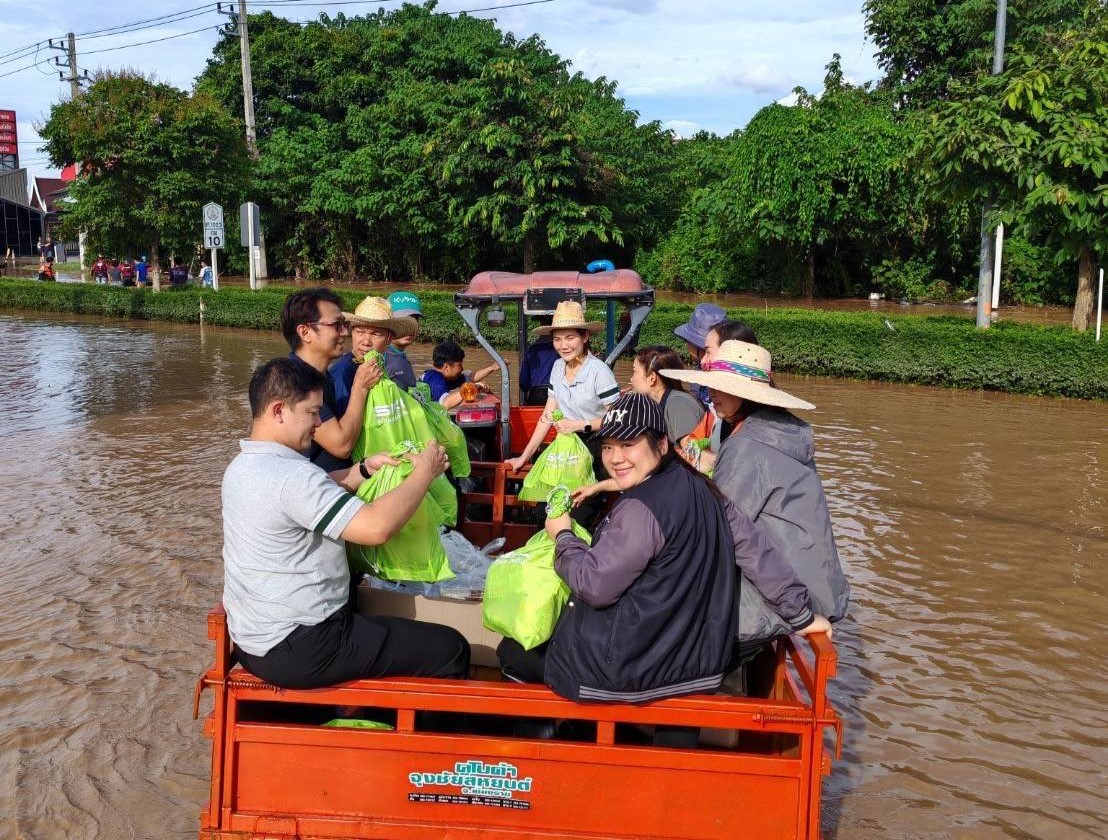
<point>582,387</point>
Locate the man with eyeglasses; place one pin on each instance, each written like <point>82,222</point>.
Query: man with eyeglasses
<point>313,325</point>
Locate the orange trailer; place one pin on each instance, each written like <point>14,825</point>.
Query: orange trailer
<point>449,764</point>
<point>449,768</point>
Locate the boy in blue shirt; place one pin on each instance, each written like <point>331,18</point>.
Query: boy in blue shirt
<point>446,377</point>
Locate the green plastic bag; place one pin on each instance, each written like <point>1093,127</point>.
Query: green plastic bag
<point>447,432</point>
<point>445,497</point>
<point>392,417</point>
<point>523,594</point>
<point>414,552</point>
<point>566,462</point>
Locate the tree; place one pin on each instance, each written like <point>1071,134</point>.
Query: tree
<point>1036,138</point>
<point>152,157</point>
<point>518,161</point>
<point>814,178</point>
<point>925,45</point>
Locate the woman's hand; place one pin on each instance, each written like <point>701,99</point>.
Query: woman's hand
<point>375,462</point>
<point>818,625</point>
<point>568,427</point>
<point>516,463</point>
<point>558,524</point>
<point>583,493</point>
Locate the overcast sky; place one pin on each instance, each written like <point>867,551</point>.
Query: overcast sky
<point>691,64</point>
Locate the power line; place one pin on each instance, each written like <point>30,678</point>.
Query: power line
<point>27,49</point>
<point>159,22</point>
<point>138,22</point>
<point>20,69</point>
<point>151,41</point>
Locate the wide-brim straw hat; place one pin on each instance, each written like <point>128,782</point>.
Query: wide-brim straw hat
<point>742,370</point>
<point>570,315</point>
<point>376,312</point>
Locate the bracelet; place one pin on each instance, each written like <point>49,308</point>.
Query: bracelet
<point>363,469</point>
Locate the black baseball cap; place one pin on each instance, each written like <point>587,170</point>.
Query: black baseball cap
<point>630,416</point>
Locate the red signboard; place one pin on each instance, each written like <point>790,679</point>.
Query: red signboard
<point>7,116</point>
<point>7,135</point>
<point>9,149</point>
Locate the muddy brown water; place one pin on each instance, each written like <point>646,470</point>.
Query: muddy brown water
<point>972,666</point>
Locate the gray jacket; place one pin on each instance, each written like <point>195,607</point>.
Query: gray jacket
<point>767,468</point>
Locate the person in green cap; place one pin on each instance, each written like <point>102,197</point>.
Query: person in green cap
<point>399,369</point>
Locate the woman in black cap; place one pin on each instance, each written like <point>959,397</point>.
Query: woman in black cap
<point>652,612</point>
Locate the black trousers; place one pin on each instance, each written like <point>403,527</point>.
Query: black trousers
<point>349,646</point>
<point>521,665</point>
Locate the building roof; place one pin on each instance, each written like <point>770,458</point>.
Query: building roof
<point>47,192</point>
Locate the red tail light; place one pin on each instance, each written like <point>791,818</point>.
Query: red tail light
<point>476,415</point>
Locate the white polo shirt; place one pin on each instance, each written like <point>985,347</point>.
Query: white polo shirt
<point>284,561</point>
<point>590,394</point>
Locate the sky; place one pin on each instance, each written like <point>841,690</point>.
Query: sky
<point>690,64</point>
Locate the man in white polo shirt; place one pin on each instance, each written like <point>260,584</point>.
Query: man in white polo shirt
<point>286,581</point>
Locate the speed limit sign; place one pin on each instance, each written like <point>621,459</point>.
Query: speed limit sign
<point>213,226</point>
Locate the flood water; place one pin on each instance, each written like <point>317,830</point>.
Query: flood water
<point>971,668</point>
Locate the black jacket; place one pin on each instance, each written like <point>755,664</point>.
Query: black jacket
<point>653,607</point>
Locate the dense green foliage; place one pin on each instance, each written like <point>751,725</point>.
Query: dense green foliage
<point>407,145</point>
<point>152,156</point>
<point>925,45</point>
<point>410,144</point>
<point>943,351</point>
<point>1035,140</point>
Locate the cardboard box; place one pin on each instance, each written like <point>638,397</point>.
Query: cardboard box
<point>463,616</point>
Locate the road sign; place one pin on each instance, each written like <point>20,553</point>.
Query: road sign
<point>250,224</point>
<point>214,235</point>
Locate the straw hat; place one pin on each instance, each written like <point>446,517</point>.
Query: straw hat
<point>376,312</point>
<point>570,315</point>
<point>743,370</point>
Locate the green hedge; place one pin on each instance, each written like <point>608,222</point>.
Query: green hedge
<point>935,350</point>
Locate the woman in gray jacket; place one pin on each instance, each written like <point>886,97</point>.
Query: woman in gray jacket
<point>766,467</point>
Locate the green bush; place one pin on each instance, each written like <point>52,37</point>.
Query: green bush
<point>927,350</point>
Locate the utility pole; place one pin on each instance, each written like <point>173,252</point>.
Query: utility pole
<point>985,268</point>
<point>248,114</point>
<point>75,80</point>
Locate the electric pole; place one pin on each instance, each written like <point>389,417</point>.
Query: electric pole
<point>248,114</point>
<point>75,79</point>
<point>985,268</point>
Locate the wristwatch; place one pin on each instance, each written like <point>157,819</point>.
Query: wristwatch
<point>363,469</point>
<point>588,429</point>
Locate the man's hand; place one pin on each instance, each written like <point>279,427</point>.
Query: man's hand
<point>375,462</point>
<point>433,458</point>
<point>582,493</point>
<point>366,376</point>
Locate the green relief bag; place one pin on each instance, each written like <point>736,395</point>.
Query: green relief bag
<point>445,498</point>
<point>392,417</point>
<point>446,431</point>
<point>523,594</point>
<point>414,552</point>
<point>566,462</point>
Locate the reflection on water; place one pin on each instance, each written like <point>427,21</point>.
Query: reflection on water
<point>972,524</point>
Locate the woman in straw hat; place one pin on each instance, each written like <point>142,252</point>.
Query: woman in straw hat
<point>767,468</point>
<point>581,386</point>
<point>372,327</point>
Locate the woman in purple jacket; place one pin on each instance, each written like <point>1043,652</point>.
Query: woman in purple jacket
<point>653,607</point>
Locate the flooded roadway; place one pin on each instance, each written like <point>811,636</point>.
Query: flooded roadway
<point>971,671</point>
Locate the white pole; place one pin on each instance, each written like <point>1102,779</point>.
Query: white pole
<point>997,264</point>
<point>250,247</point>
<point>1099,303</point>
<point>215,270</point>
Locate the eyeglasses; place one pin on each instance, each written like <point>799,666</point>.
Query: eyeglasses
<point>340,324</point>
